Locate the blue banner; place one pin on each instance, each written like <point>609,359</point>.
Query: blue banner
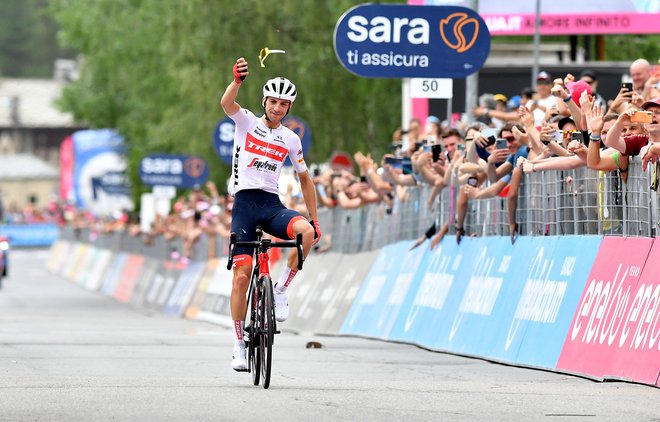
<point>29,235</point>
<point>183,171</point>
<point>223,139</point>
<point>484,297</point>
<point>99,180</point>
<point>403,41</point>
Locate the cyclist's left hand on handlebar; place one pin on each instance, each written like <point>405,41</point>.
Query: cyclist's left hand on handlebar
<point>317,231</point>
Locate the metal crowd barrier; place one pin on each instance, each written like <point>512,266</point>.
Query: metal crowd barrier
<point>580,201</point>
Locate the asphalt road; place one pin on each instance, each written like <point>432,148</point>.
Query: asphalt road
<point>67,354</point>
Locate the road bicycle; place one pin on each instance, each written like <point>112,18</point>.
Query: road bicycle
<point>261,329</point>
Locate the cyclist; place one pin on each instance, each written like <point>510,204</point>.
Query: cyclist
<point>261,144</point>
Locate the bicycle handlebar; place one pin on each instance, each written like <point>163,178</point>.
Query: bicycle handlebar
<point>266,244</point>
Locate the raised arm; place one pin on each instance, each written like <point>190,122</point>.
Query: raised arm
<point>228,101</point>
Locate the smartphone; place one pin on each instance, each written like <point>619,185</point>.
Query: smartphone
<point>642,117</point>
<point>406,165</point>
<point>418,145</point>
<point>577,136</point>
<point>460,148</point>
<point>317,172</point>
<point>472,181</point>
<point>559,136</point>
<point>627,85</point>
<point>436,150</point>
<point>427,148</point>
<point>501,144</point>
<point>393,161</point>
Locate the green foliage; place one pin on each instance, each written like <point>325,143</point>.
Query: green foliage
<point>156,69</point>
<point>27,45</point>
<point>631,47</point>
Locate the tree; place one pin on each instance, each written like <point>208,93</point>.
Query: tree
<point>155,71</point>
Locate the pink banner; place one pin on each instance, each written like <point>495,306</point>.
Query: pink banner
<point>573,24</point>
<point>616,328</point>
<point>129,277</point>
<point>66,168</point>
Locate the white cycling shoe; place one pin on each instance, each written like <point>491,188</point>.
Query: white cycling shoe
<point>239,359</point>
<point>281,306</point>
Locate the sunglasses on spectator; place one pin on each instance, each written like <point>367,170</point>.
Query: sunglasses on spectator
<point>509,138</point>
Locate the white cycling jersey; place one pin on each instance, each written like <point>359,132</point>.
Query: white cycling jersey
<point>259,153</point>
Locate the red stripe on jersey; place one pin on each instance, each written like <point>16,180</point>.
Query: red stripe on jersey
<point>262,148</point>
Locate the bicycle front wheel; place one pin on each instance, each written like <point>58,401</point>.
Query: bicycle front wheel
<point>254,360</point>
<point>267,320</point>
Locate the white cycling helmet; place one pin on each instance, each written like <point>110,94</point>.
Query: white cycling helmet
<point>281,88</point>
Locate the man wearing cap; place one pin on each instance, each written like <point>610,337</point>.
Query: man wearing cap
<point>652,152</point>
<point>544,100</point>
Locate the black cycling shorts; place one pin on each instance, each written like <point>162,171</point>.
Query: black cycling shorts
<point>255,207</point>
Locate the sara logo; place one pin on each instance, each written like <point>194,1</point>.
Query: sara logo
<point>194,167</point>
<point>374,40</point>
<point>456,40</point>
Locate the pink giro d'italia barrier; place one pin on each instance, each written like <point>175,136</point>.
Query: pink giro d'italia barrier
<point>616,327</point>
<point>603,326</point>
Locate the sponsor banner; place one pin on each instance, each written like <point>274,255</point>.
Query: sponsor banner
<point>183,171</point>
<point>541,316</point>
<point>78,256</point>
<point>101,263</point>
<point>404,41</point>
<point>66,168</point>
<point>616,323</point>
<point>381,297</point>
<point>305,290</point>
<point>517,17</point>
<point>58,251</point>
<point>429,308</point>
<point>86,265</point>
<point>484,297</point>
<point>197,302</point>
<point>100,183</point>
<point>163,284</point>
<point>29,235</point>
<point>338,293</point>
<point>145,278</point>
<point>216,306</point>
<point>184,289</point>
<point>113,273</point>
<point>573,24</point>
<point>128,278</point>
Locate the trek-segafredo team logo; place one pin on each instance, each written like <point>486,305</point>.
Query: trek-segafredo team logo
<point>400,41</point>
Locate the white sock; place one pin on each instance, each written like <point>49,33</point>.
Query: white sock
<point>285,280</point>
<point>238,334</point>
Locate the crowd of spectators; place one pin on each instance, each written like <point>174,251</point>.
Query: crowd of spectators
<point>562,123</point>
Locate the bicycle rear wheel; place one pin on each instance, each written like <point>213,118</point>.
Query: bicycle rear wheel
<point>267,322</point>
<point>254,360</point>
